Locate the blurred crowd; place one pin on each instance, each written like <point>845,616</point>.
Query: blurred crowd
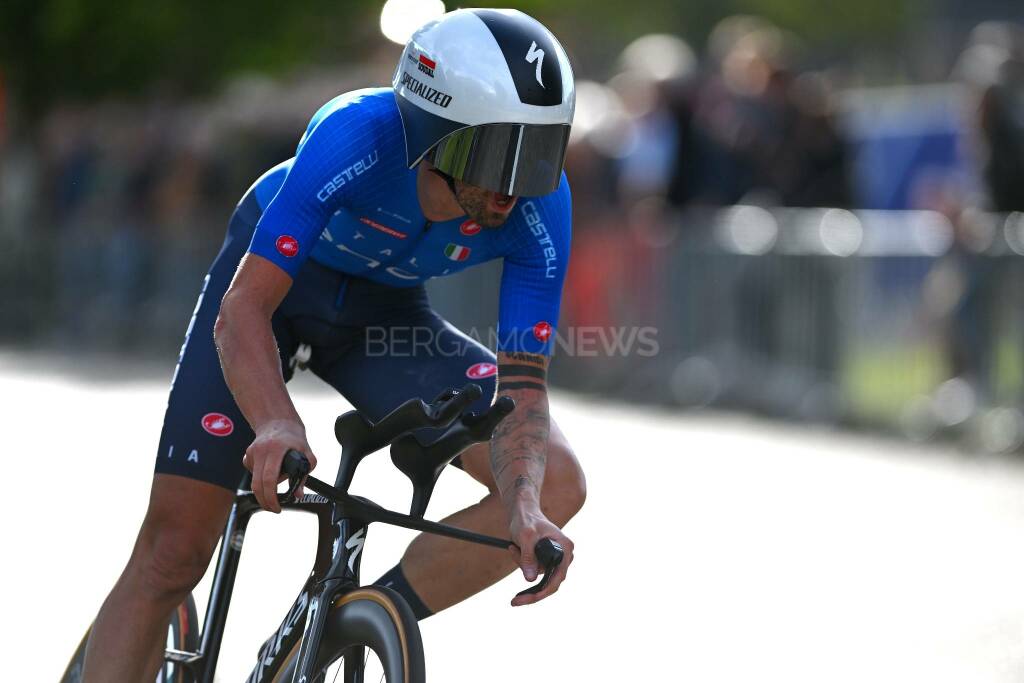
<point>114,210</point>
<point>111,211</point>
<point>746,123</point>
<point>671,133</point>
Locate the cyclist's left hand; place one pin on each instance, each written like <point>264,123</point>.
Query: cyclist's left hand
<point>527,527</point>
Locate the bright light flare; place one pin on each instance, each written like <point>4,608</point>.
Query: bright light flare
<point>400,18</point>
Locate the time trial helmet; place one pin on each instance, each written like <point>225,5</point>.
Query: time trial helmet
<point>488,94</point>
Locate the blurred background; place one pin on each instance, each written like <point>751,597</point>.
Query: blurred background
<point>816,206</point>
<point>793,335</point>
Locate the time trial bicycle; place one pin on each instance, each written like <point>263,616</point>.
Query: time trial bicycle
<point>335,623</point>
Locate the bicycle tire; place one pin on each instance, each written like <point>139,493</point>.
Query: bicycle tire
<point>378,618</point>
<point>183,632</point>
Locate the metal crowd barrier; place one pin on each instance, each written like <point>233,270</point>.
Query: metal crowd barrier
<point>898,321</point>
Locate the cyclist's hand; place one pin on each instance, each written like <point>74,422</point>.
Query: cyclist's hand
<point>263,458</point>
<point>528,527</point>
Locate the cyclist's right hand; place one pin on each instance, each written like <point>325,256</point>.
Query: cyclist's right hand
<point>263,458</point>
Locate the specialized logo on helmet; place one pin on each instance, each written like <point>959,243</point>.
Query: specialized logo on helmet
<point>534,54</point>
<point>542,331</point>
<point>470,228</point>
<point>287,246</point>
<point>425,91</point>
<point>426,65</point>
<point>481,370</point>
<point>537,77</point>
<point>218,424</point>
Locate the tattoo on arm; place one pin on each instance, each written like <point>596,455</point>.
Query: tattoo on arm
<point>529,371</point>
<point>533,358</point>
<point>521,370</point>
<point>526,384</point>
<point>519,448</point>
<point>520,443</point>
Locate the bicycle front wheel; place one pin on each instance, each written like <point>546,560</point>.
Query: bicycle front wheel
<point>374,618</point>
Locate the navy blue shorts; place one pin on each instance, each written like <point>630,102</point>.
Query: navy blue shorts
<point>378,346</point>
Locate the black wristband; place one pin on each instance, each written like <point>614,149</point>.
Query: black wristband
<point>521,370</point>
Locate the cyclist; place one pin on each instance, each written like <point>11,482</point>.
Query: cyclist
<point>459,162</point>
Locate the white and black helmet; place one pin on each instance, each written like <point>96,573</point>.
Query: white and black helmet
<point>489,93</point>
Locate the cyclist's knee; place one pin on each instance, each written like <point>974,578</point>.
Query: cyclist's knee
<point>177,539</point>
<point>565,486</point>
<point>169,560</point>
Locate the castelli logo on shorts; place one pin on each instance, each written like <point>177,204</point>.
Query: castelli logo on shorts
<point>542,331</point>
<point>470,228</point>
<point>218,424</point>
<point>481,370</point>
<point>287,245</point>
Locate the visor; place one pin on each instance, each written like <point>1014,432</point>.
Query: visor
<point>508,158</point>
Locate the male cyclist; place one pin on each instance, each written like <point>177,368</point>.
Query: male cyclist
<point>458,163</point>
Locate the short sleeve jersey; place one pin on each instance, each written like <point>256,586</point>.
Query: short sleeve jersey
<point>348,201</point>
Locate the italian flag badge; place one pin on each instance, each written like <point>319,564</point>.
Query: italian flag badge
<point>456,252</point>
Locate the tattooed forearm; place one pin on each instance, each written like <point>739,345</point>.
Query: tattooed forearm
<point>519,446</point>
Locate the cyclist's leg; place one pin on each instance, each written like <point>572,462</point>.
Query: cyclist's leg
<point>473,568</point>
<point>174,546</point>
<point>416,353</point>
<point>198,468</point>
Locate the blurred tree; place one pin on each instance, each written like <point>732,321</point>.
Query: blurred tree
<point>59,49</point>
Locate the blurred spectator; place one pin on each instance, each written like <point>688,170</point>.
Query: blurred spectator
<point>992,65</point>
<point>649,68</point>
<point>764,133</point>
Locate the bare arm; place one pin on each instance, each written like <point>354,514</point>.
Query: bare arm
<point>518,458</point>
<point>252,369</point>
<point>519,447</point>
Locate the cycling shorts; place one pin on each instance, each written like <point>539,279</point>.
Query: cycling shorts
<point>377,345</point>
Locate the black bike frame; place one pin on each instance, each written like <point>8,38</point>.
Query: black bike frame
<point>342,531</point>
<point>343,522</point>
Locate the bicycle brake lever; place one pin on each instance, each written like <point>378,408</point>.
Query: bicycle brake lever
<point>296,466</point>
<point>550,554</point>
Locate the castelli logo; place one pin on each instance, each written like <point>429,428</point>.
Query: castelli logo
<point>481,370</point>
<point>470,228</point>
<point>287,245</point>
<point>542,331</point>
<point>218,424</point>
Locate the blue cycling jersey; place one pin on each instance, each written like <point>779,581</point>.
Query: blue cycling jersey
<point>348,201</point>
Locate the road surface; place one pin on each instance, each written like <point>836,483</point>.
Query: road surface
<point>712,548</point>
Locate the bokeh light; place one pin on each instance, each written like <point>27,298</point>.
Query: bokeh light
<point>400,18</point>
